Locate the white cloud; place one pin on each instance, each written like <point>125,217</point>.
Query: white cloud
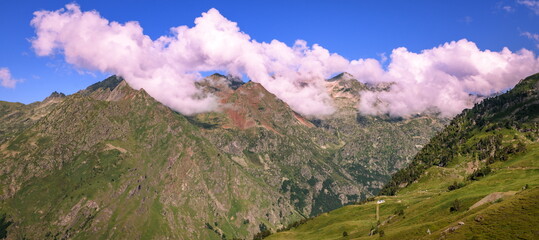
<point>167,67</point>
<point>508,9</point>
<point>531,4</point>
<point>6,80</point>
<point>444,77</point>
<point>532,36</point>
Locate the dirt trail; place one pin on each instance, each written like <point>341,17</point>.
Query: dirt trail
<point>492,197</point>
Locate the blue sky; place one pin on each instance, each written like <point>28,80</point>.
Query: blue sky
<point>353,29</point>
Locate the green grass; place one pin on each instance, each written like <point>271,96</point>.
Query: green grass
<point>426,206</point>
<point>155,225</point>
<point>57,193</point>
<point>514,218</point>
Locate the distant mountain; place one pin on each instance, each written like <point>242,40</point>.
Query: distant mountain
<point>476,179</point>
<point>111,162</point>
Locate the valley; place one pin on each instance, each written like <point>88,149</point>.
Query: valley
<point>476,179</point>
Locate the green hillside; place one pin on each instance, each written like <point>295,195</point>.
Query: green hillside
<point>488,157</point>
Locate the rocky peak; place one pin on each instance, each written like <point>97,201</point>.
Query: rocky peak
<point>219,84</point>
<point>345,89</point>
<point>345,82</point>
<point>342,76</point>
<point>114,88</point>
<point>110,83</point>
<point>252,105</point>
<point>55,95</point>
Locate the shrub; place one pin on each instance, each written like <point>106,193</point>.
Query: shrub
<point>455,186</point>
<point>4,224</point>
<point>261,235</point>
<point>455,206</point>
<point>374,230</point>
<point>521,147</point>
<point>312,181</point>
<point>479,173</point>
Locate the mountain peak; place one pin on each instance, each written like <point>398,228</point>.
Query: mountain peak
<point>113,88</point>
<point>345,82</point>
<point>342,76</point>
<point>345,89</point>
<point>219,84</point>
<point>217,75</point>
<point>109,83</point>
<point>55,95</point>
<point>251,105</point>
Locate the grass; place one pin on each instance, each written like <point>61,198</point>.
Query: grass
<point>492,222</point>
<point>154,225</point>
<point>426,206</point>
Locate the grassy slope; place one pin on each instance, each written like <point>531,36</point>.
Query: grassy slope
<point>426,206</point>
<point>479,137</point>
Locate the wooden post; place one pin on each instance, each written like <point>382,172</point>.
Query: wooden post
<point>377,212</point>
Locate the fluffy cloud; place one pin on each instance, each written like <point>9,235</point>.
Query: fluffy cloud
<point>6,80</point>
<point>442,78</point>
<point>168,67</point>
<point>447,78</point>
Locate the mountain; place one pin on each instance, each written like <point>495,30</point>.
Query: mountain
<point>374,147</point>
<point>476,179</point>
<point>111,162</point>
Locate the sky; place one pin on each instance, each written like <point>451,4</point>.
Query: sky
<point>460,47</point>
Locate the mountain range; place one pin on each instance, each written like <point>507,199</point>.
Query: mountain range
<point>110,162</point>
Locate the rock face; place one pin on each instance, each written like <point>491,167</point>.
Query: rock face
<point>111,162</point>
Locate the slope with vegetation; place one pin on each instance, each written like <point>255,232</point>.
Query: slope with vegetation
<point>477,179</point>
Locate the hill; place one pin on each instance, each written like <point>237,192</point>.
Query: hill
<point>476,179</point>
